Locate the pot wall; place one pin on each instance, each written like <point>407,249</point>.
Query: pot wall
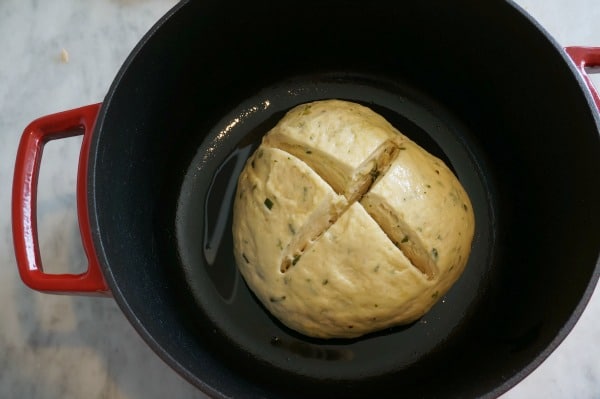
<point>488,93</point>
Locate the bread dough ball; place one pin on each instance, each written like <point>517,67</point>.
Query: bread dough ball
<point>343,226</point>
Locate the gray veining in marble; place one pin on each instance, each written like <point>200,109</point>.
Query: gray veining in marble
<point>77,347</point>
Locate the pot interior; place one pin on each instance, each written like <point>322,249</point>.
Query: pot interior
<point>480,86</point>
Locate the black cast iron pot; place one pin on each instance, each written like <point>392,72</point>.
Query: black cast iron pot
<point>477,83</point>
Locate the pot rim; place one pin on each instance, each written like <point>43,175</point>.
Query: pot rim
<point>87,189</point>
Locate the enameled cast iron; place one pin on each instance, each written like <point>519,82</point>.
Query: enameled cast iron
<point>477,83</point>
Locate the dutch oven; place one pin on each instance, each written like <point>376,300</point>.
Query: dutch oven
<point>479,84</point>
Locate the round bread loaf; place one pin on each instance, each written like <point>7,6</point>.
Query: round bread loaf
<point>343,226</point>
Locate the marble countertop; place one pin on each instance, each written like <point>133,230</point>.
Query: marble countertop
<point>61,54</point>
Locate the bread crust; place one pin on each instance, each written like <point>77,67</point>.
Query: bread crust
<point>343,226</point>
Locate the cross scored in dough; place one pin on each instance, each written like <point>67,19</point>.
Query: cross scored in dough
<point>343,225</point>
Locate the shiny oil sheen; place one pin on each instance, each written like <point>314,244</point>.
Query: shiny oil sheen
<point>203,230</point>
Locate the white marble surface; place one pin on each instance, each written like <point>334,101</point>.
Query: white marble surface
<point>76,347</point>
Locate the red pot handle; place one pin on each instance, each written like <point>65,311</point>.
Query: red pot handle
<point>586,57</point>
<point>24,203</point>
